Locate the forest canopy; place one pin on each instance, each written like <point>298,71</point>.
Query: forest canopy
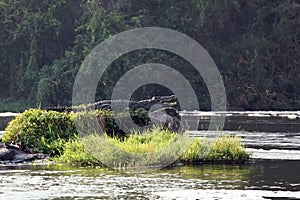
<point>255,44</point>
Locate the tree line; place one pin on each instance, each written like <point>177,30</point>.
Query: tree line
<point>255,44</point>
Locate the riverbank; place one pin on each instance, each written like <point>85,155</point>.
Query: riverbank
<point>268,144</point>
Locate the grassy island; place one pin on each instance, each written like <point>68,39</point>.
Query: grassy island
<point>54,133</point>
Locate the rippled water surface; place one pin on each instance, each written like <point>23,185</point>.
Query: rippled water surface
<point>252,181</point>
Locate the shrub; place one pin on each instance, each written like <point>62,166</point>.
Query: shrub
<point>54,133</point>
<point>44,131</point>
<point>46,92</point>
<point>40,131</point>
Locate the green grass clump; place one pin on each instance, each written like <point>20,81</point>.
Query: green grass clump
<point>227,148</point>
<point>150,141</point>
<point>40,131</point>
<point>76,154</point>
<point>152,148</point>
<point>223,148</point>
<point>104,150</point>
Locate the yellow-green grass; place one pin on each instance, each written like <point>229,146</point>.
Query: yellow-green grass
<point>154,147</point>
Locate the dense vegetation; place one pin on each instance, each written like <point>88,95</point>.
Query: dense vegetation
<point>54,133</point>
<point>255,44</point>
<point>39,131</point>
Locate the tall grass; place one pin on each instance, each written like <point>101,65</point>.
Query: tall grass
<point>224,148</point>
<point>155,147</point>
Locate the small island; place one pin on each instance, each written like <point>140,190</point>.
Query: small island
<point>40,134</point>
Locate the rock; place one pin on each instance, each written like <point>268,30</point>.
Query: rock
<point>24,157</point>
<point>11,154</point>
<point>13,146</point>
<point>168,118</point>
<point>7,154</point>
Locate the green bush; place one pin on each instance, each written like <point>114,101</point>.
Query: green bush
<point>46,92</point>
<point>40,131</point>
<point>43,131</point>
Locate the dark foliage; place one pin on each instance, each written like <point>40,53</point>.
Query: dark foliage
<point>255,44</point>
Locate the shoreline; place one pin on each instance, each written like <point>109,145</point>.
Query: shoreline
<point>48,163</point>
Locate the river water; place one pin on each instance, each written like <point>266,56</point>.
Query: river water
<point>258,180</point>
<point>273,172</point>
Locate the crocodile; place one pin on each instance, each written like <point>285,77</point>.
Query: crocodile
<point>159,111</point>
<point>161,101</point>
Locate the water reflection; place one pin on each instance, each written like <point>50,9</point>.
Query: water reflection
<point>275,175</point>
<point>62,182</point>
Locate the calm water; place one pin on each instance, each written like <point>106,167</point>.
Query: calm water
<point>274,173</point>
<point>257,180</point>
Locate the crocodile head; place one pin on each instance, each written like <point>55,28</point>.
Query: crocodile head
<point>165,100</point>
